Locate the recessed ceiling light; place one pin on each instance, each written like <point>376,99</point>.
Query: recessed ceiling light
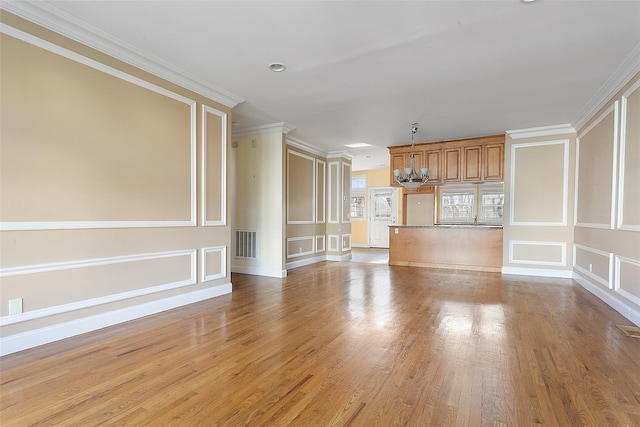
<point>358,145</point>
<point>277,67</point>
<point>527,1</point>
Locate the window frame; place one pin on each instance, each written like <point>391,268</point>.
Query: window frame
<point>478,191</point>
<point>359,192</point>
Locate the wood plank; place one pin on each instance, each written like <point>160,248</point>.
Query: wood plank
<point>344,344</point>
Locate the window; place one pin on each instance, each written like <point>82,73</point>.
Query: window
<point>492,205</point>
<point>472,203</point>
<point>458,205</point>
<point>358,197</point>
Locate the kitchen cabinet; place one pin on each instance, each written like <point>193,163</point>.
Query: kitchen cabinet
<point>452,164</point>
<point>472,163</point>
<point>464,160</point>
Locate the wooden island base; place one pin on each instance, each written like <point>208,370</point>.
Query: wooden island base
<point>476,248</point>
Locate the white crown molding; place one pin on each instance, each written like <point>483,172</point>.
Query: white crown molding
<point>541,131</point>
<point>298,143</point>
<point>280,127</point>
<point>62,23</point>
<point>625,72</point>
<point>340,154</point>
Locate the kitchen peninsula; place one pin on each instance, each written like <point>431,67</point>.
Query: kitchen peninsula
<point>471,165</point>
<point>461,247</point>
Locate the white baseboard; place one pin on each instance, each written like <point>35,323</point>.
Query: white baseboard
<point>345,257</point>
<point>25,340</point>
<point>540,272</point>
<point>611,299</point>
<point>257,271</point>
<point>307,261</point>
<point>360,245</point>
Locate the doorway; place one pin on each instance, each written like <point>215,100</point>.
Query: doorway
<point>383,212</point>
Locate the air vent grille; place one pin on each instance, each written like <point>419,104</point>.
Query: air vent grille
<point>246,244</point>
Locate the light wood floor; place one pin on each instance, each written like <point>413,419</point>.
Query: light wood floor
<point>345,344</point>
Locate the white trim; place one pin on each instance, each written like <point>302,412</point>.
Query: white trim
<point>298,143</point>
<point>341,258</point>
<point>62,23</point>
<point>306,261</point>
<point>540,272</point>
<point>258,271</point>
<point>313,189</point>
<point>608,282</point>
<point>360,245</point>
<point>205,276</point>
<point>25,340</point>
<point>340,155</point>
<point>346,247</point>
<point>320,249</point>
<point>623,143</point>
<point>333,197</point>
<point>299,239</point>
<point>92,302</point>
<point>565,184</point>
<point>345,200</point>
<point>541,131</point>
<point>617,304</point>
<point>625,72</point>
<point>562,245</point>
<point>612,214</point>
<point>617,288</point>
<point>280,127</point>
<point>56,225</point>
<point>324,190</point>
<point>223,172</point>
<point>334,240</point>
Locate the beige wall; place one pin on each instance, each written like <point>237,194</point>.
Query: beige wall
<point>607,230</point>
<point>109,209</point>
<point>360,229</point>
<point>306,201</point>
<point>538,225</point>
<point>257,199</point>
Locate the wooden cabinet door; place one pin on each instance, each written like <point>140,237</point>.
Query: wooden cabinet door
<point>493,162</point>
<point>472,163</point>
<point>396,162</point>
<point>452,157</point>
<point>433,162</point>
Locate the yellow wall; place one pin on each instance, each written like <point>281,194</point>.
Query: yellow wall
<point>108,210</point>
<point>360,229</point>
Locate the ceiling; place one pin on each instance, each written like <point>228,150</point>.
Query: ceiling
<point>363,71</point>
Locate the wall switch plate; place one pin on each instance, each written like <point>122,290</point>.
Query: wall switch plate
<point>15,306</point>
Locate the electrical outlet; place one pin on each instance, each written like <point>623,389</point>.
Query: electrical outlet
<point>15,306</point>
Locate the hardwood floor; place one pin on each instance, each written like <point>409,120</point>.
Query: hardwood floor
<point>345,344</point>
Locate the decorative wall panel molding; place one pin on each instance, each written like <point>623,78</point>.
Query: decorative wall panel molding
<point>629,210</point>
<point>546,256</point>
<point>537,195</point>
<point>219,254</point>
<point>346,242</point>
<point>300,246</point>
<point>320,244</point>
<point>333,184</point>
<point>334,241</point>
<point>149,91</point>
<point>217,154</point>
<point>627,276</point>
<point>301,188</point>
<point>599,190</point>
<point>190,279</point>
<point>595,264</point>
<point>321,191</point>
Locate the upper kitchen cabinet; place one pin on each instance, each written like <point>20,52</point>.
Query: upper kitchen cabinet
<point>463,160</point>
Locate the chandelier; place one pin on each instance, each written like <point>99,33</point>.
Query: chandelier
<point>410,178</point>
